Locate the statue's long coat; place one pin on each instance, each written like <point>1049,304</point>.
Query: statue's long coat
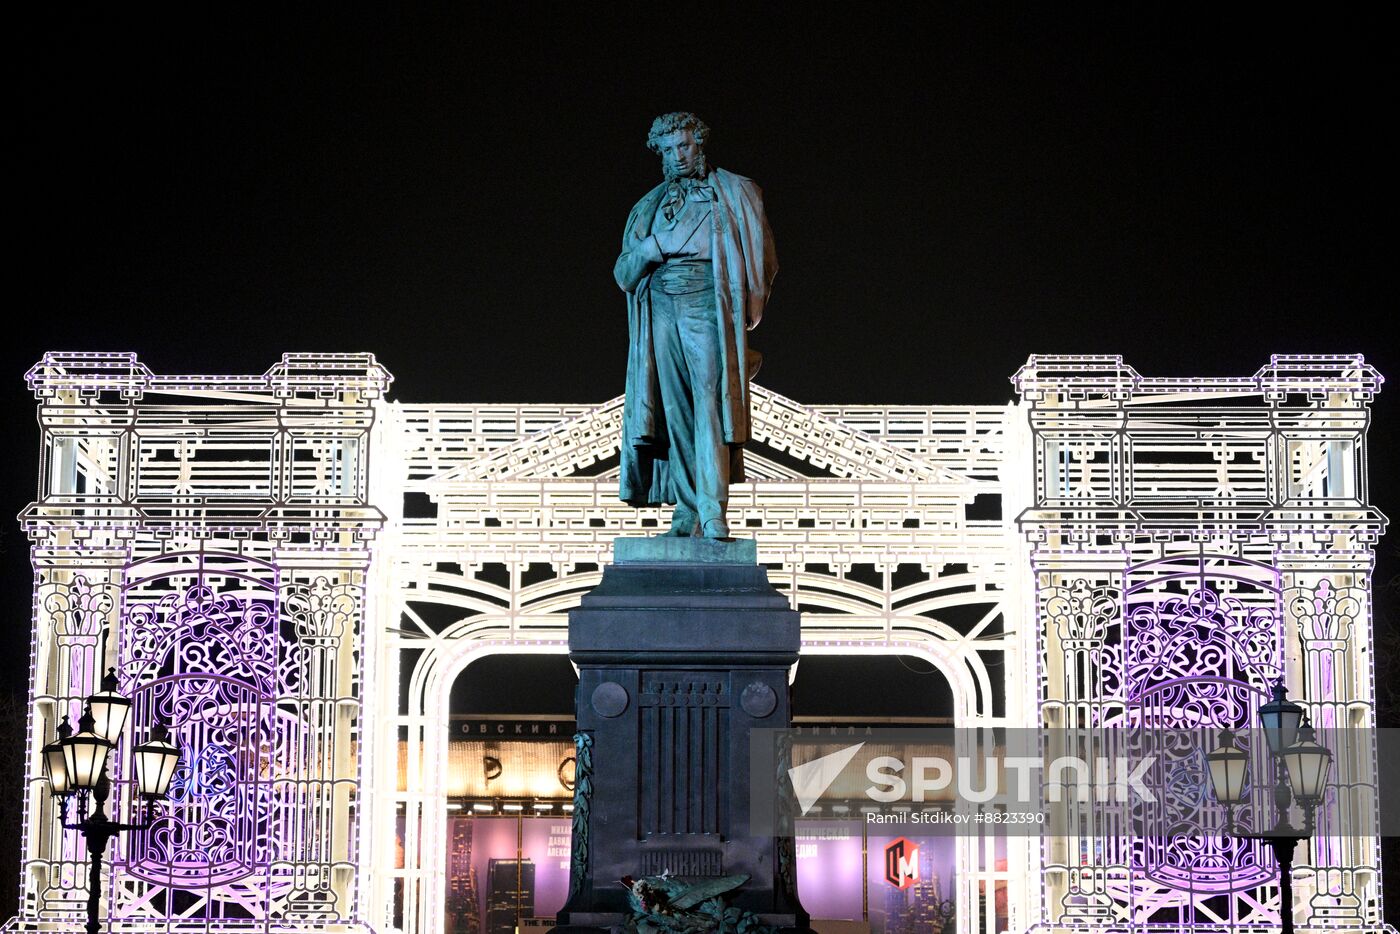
<point>741,253</point>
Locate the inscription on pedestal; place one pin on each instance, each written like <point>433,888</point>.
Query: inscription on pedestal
<point>682,863</point>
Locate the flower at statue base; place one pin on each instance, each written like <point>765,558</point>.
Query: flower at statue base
<point>667,904</point>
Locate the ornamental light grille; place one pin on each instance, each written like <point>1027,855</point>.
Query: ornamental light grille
<point>295,570</point>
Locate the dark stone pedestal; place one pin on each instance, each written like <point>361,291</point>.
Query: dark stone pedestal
<point>682,649</point>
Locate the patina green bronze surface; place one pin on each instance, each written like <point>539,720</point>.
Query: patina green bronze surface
<point>697,263</point>
<point>668,549</point>
<point>667,905</point>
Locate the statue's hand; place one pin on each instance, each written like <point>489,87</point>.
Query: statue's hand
<point>671,244</point>
<point>647,248</point>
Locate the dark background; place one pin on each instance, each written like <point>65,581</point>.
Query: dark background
<point>1193,189</point>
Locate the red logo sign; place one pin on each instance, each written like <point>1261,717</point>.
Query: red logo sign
<point>902,863</point>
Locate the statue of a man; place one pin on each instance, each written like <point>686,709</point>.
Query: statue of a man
<point>697,263</point>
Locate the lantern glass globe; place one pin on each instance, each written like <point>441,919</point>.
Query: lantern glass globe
<point>155,762</point>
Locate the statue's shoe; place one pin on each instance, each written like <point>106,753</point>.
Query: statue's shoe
<point>715,529</point>
<point>684,524</point>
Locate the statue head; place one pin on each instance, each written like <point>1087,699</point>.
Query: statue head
<point>680,139</point>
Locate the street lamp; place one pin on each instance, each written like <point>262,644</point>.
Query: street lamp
<point>155,762</point>
<point>54,767</point>
<point>76,763</point>
<point>109,709</point>
<point>1229,765</point>
<point>1281,719</point>
<point>1308,765</point>
<point>85,754</point>
<point>1301,768</point>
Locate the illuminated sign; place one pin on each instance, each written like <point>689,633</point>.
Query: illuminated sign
<point>513,729</point>
<point>902,863</point>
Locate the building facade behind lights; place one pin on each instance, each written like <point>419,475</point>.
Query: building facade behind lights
<point>295,571</point>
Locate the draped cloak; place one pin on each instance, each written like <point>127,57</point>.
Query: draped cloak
<point>744,263</point>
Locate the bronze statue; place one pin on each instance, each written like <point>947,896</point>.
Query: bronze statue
<point>697,263</point>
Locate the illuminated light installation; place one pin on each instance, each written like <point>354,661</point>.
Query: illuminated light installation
<point>861,512</point>
<point>260,586</point>
<point>209,538</point>
<point>1194,541</point>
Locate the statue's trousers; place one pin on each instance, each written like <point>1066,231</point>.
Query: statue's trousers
<point>685,342</point>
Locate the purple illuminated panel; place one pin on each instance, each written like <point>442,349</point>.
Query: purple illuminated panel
<point>1202,644</point>
<point>217,827</point>
<point>829,868</point>
<point>546,842</point>
<point>206,660</point>
<point>482,875</point>
<point>210,647</point>
<point>830,883</point>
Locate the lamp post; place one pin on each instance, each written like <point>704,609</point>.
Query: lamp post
<point>1301,767</point>
<point>76,764</point>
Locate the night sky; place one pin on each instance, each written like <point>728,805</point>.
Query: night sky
<point>948,196</point>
